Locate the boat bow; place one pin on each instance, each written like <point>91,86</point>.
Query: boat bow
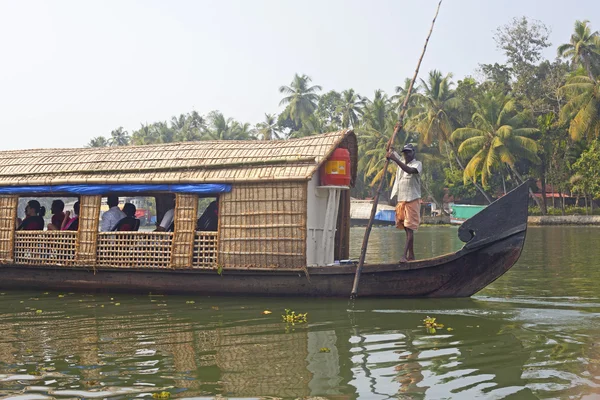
<point>503,218</point>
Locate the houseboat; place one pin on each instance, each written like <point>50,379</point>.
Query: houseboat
<point>283,222</point>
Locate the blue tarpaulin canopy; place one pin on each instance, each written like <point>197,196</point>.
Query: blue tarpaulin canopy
<point>198,188</point>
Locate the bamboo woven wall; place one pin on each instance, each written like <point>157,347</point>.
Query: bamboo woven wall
<point>263,225</point>
<point>87,236</point>
<point>186,214</point>
<point>205,250</point>
<point>52,248</point>
<point>8,220</point>
<point>134,249</point>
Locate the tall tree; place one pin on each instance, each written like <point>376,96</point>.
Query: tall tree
<point>98,141</point>
<point>583,46</point>
<point>373,134</point>
<point>436,102</point>
<point>587,172</point>
<point>433,116</point>
<point>351,108</point>
<point>327,110</point>
<point>498,136</point>
<point>583,107</point>
<point>301,98</point>
<point>522,41</point>
<point>119,137</point>
<point>268,129</point>
<point>145,135</point>
<point>221,128</point>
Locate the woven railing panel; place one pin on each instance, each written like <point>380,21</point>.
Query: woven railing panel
<point>134,249</point>
<point>8,220</point>
<point>263,225</point>
<point>205,250</point>
<point>186,214</point>
<point>87,236</point>
<point>50,248</point>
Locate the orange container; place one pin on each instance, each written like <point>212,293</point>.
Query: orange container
<point>336,170</point>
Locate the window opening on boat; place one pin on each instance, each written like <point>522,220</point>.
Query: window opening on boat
<point>127,213</point>
<point>45,213</point>
<point>46,230</point>
<point>208,214</point>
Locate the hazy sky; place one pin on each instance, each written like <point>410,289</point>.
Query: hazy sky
<point>72,70</point>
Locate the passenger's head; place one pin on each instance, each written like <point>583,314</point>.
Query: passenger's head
<point>112,200</point>
<point>34,208</point>
<point>57,206</point>
<point>76,208</point>
<point>129,210</point>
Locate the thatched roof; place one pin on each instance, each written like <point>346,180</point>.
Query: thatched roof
<point>189,162</point>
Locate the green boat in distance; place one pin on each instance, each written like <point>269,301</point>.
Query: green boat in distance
<point>462,212</point>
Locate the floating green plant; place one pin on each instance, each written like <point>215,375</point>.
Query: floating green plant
<point>291,317</point>
<point>161,395</point>
<point>431,325</point>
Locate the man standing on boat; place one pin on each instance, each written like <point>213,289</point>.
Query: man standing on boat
<point>407,187</point>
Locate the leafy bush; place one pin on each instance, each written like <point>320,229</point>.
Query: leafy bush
<point>569,210</point>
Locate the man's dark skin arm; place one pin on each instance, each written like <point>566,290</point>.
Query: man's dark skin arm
<point>409,156</point>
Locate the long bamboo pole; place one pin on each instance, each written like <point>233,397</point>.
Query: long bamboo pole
<point>398,128</point>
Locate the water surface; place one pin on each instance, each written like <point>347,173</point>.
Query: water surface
<point>534,333</point>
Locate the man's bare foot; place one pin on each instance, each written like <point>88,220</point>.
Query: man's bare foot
<point>403,259</point>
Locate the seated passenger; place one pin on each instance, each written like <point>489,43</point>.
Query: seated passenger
<point>209,221</point>
<point>71,224</point>
<point>130,223</point>
<point>58,216</point>
<point>168,221</point>
<point>34,217</point>
<point>113,215</point>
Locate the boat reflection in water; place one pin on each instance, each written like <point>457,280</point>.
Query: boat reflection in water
<point>229,347</point>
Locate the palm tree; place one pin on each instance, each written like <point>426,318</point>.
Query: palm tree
<point>433,118</point>
<point>268,129</point>
<point>178,123</point>
<point>221,128</point>
<point>351,108</point>
<point>312,125</point>
<point>98,141</point>
<point>583,107</point>
<point>496,137</point>
<point>301,98</point>
<point>401,92</point>
<point>378,111</point>
<point>196,121</point>
<point>145,135</point>
<point>242,131</point>
<point>379,119</point>
<point>119,137</point>
<point>583,46</point>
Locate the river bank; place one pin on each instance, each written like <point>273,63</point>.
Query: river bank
<point>564,220</point>
<point>546,220</point>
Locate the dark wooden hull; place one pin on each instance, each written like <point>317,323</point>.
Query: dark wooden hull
<point>494,239</point>
<point>460,274</point>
